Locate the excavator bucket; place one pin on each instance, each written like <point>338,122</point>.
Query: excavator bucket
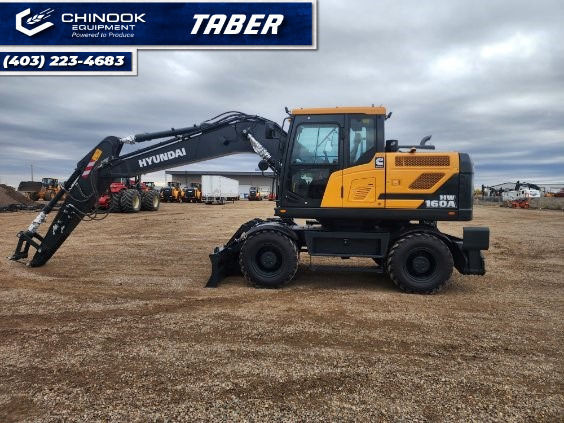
<point>30,186</point>
<point>84,187</point>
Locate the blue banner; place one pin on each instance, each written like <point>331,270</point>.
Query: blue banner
<point>282,24</point>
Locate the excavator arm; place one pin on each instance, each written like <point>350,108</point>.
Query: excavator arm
<point>228,133</point>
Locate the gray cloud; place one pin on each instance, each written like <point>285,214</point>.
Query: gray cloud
<point>482,77</point>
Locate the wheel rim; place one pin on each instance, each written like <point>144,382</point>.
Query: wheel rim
<point>135,202</point>
<point>268,261</point>
<point>421,264</point>
<point>155,201</point>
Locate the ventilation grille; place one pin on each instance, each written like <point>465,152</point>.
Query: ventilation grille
<point>360,193</point>
<point>422,160</point>
<point>426,180</point>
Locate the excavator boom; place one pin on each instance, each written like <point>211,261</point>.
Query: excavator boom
<point>229,133</point>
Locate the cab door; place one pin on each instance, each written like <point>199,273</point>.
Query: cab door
<point>314,158</point>
<point>364,173</point>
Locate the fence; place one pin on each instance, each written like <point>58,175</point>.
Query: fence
<point>550,203</point>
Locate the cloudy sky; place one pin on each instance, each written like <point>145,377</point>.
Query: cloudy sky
<point>480,76</point>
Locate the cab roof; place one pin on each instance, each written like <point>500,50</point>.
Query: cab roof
<point>367,110</point>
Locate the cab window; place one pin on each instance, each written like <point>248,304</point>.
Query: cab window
<point>362,140</point>
<point>316,144</point>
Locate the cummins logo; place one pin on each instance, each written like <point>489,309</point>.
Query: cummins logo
<point>33,21</point>
<point>157,158</point>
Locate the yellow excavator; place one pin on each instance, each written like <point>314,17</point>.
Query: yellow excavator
<point>361,196</point>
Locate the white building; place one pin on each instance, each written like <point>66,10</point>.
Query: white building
<point>246,179</point>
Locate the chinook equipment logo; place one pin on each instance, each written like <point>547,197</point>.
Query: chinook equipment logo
<point>163,157</point>
<point>33,20</point>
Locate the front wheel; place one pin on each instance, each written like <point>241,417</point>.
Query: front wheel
<point>130,201</point>
<point>269,259</point>
<point>419,263</point>
<point>115,202</point>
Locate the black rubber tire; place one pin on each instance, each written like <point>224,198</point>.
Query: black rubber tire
<point>130,201</point>
<point>115,203</point>
<point>34,196</point>
<point>420,263</point>
<point>269,259</point>
<point>150,201</point>
<point>47,196</point>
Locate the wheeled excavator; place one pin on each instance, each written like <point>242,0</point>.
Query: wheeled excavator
<point>361,196</point>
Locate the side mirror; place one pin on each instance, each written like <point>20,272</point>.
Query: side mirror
<point>269,131</point>
<point>392,146</point>
<point>263,165</point>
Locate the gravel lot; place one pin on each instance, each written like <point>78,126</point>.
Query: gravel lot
<point>117,326</point>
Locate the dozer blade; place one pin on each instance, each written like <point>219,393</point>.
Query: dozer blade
<point>225,260</point>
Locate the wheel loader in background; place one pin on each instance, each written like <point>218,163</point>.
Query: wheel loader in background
<point>255,194</point>
<point>362,196</point>
<point>193,193</point>
<point>173,192</point>
<point>44,190</point>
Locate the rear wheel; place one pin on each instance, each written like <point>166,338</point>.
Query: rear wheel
<point>150,201</point>
<point>269,259</point>
<point>419,263</point>
<point>130,201</point>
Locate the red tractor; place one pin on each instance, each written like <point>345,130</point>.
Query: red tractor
<point>130,196</point>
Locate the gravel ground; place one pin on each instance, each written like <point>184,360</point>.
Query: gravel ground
<point>117,326</point>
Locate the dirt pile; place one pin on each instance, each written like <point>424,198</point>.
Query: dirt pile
<point>10,198</point>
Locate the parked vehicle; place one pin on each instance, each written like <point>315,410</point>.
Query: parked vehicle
<point>219,189</point>
<point>172,193</point>
<point>130,196</point>
<point>354,204</point>
<point>255,194</point>
<point>44,190</point>
<point>193,193</point>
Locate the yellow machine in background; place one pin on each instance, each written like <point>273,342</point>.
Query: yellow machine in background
<point>193,193</point>
<point>172,193</point>
<point>44,190</point>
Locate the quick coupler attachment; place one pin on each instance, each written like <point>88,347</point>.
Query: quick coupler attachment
<point>225,262</point>
<point>26,239</point>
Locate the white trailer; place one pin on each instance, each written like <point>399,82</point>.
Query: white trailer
<point>219,189</point>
